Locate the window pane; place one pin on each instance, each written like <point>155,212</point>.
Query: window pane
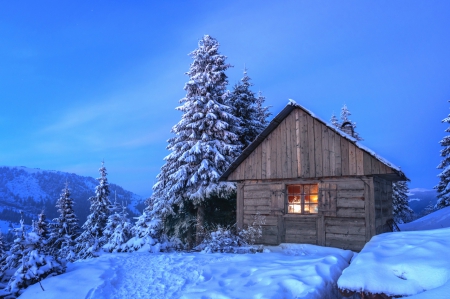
<point>294,208</point>
<point>306,189</point>
<point>294,189</point>
<point>294,199</point>
<point>313,189</point>
<point>306,199</point>
<point>291,189</point>
<point>314,198</point>
<point>307,208</point>
<point>313,208</point>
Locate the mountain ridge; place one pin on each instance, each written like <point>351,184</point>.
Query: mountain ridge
<point>32,189</point>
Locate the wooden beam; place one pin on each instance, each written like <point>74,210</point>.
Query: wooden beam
<point>359,162</point>
<point>325,151</point>
<point>310,147</point>
<point>318,148</point>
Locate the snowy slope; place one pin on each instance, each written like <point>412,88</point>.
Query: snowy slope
<point>32,190</point>
<point>435,220</point>
<point>288,271</point>
<point>402,263</point>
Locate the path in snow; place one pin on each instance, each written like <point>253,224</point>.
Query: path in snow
<point>145,275</point>
<point>292,271</point>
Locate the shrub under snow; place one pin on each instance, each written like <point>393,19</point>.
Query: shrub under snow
<point>226,239</point>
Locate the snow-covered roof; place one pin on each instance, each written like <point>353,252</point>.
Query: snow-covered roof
<point>280,117</point>
<point>346,136</point>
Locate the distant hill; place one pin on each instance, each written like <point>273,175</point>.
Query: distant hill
<point>435,220</point>
<point>31,190</point>
<point>420,198</point>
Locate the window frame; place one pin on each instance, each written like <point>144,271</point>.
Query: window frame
<point>302,198</point>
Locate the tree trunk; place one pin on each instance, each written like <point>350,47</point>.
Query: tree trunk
<point>199,234</point>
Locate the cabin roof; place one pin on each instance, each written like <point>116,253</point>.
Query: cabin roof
<point>292,105</point>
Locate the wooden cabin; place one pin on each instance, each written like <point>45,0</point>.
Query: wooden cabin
<point>313,183</point>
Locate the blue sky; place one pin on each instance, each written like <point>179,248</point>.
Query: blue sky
<point>81,81</point>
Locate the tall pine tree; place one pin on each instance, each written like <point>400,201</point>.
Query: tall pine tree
<point>401,210</point>
<point>249,109</point>
<point>204,145</point>
<point>91,238</point>
<point>345,124</point>
<point>65,229</point>
<point>443,188</point>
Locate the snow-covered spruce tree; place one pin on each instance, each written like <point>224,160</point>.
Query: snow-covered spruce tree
<point>41,227</point>
<point>16,252</point>
<point>248,109</point>
<point>34,265</point>
<point>118,229</point>
<point>28,259</point>
<point>147,230</point>
<point>262,112</point>
<point>204,145</point>
<point>401,210</point>
<point>345,124</point>
<point>443,188</point>
<point>335,122</point>
<point>90,240</point>
<point>65,229</point>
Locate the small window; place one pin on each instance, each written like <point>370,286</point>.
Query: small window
<point>302,199</point>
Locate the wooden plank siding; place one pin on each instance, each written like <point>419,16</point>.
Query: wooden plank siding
<point>310,146</point>
<point>294,146</point>
<point>325,152</point>
<point>348,227</point>
<point>288,162</point>
<point>301,230</point>
<point>303,147</point>
<point>318,148</point>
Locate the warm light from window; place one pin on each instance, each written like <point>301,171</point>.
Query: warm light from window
<point>303,199</point>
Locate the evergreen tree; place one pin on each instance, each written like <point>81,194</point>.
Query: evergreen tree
<point>335,121</point>
<point>41,226</point>
<point>248,109</point>
<point>91,238</point>
<point>262,113</point>
<point>34,265</point>
<point>16,252</point>
<point>65,228</point>
<point>443,188</point>
<point>204,145</point>
<point>149,226</point>
<point>345,124</point>
<point>401,210</point>
<point>118,229</point>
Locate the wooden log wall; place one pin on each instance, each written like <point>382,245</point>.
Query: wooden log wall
<point>266,199</point>
<point>304,147</point>
<point>383,204</point>
<point>345,228</point>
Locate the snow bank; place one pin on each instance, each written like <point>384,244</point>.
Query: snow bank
<point>401,263</point>
<point>285,271</point>
<point>437,219</point>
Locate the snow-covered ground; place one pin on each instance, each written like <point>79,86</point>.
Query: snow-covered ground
<point>438,219</point>
<point>404,263</point>
<point>285,271</point>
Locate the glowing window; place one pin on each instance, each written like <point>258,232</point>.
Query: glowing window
<point>303,199</point>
